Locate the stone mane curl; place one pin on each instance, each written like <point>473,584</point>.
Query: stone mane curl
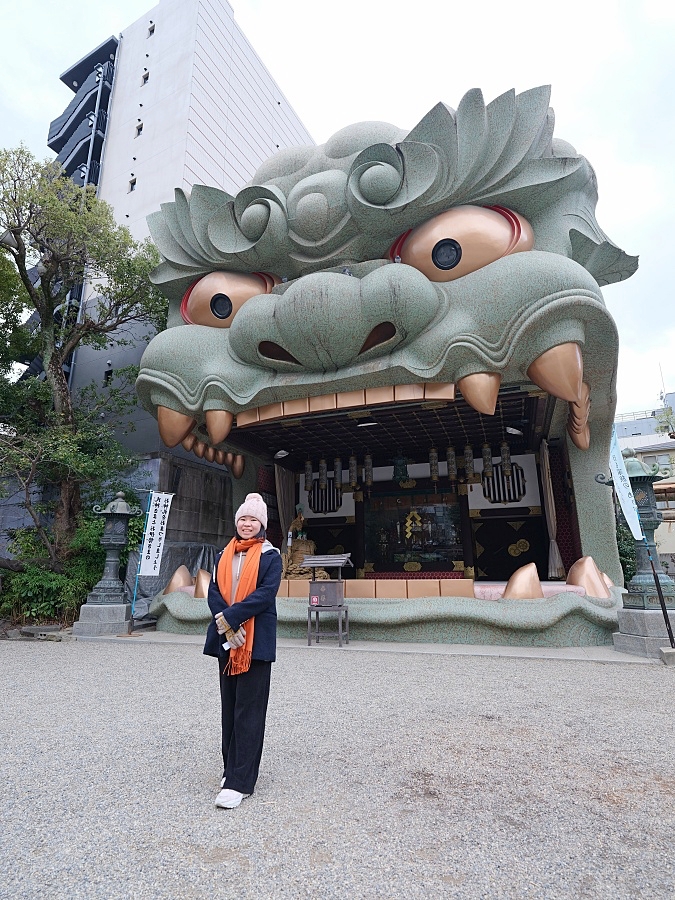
<point>312,208</point>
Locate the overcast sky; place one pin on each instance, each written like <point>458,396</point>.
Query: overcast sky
<point>611,65</point>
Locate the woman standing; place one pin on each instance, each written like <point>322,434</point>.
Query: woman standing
<point>243,633</point>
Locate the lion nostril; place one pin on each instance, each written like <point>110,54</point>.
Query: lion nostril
<point>274,351</point>
<point>380,334</point>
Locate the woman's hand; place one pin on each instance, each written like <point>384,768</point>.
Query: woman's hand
<point>234,639</point>
<point>238,639</point>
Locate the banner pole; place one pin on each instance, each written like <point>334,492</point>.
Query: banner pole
<point>140,555</point>
<point>659,591</point>
<point>623,491</point>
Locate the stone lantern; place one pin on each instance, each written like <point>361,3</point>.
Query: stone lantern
<point>642,589</point>
<point>642,628</point>
<point>107,610</point>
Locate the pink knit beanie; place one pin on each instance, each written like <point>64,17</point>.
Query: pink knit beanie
<point>255,506</point>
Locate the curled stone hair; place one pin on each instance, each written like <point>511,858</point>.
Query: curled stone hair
<point>313,208</point>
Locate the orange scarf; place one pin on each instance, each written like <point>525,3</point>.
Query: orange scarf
<point>240,658</point>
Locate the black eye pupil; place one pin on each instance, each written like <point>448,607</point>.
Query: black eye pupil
<point>446,254</point>
<point>221,306</point>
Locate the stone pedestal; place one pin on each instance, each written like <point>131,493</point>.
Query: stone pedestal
<point>642,632</point>
<point>103,618</point>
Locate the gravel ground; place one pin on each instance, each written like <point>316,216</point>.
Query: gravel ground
<point>383,775</point>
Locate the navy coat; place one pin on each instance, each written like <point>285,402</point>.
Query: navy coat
<point>262,604</point>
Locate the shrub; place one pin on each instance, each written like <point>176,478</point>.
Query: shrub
<point>39,594</point>
<point>626,545</point>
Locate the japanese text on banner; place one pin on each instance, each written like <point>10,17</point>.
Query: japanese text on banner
<point>624,492</point>
<point>153,544</point>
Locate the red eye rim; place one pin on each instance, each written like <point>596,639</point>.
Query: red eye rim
<point>397,246</point>
<point>516,227</point>
<point>184,302</point>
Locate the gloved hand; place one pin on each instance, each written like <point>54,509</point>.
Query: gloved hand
<point>237,639</point>
<point>234,639</point>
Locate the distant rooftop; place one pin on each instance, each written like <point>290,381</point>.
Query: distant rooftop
<point>667,400</point>
<point>634,416</point>
<point>77,73</point>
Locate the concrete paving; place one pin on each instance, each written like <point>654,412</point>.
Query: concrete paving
<point>605,654</point>
<point>414,770</point>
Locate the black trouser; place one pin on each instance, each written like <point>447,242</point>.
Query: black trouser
<point>244,707</point>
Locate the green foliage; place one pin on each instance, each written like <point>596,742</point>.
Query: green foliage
<point>40,451</point>
<point>17,342</point>
<point>666,420</point>
<point>57,447</point>
<point>135,535</point>
<point>626,545</point>
<point>72,235</point>
<point>38,594</point>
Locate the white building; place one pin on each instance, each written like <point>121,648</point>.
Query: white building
<point>184,99</point>
<point>191,103</point>
<point>180,98</point>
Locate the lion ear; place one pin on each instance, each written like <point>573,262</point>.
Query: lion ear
<point>606,262</point>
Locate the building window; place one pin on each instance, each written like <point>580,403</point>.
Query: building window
<point>132,185</point>
<point>145,78</point>
<point>139,129</point>
<point>151,29</point>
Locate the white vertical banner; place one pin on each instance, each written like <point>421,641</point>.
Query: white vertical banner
<point>155,532</point>
<point>624,492</point>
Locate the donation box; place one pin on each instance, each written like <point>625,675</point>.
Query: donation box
<point>331,592</point>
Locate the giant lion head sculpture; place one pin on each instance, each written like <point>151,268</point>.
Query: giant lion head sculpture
<point>464,252</point>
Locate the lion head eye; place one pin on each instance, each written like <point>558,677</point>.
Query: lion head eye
<point>216,298</point>
<point>463,240</point>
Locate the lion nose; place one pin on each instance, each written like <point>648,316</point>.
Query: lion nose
<point>327,321</point>
<point>380,334</point>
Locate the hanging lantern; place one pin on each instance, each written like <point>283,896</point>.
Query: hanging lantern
<point>507,468</point>
<point>401,474</point>
<point>353,473</point>
<point>433,464</point>
<point>487,460</point>
<point>337,474</point>
<point>309,475</point>
<point>368,470</point>
<point>323,474</point>
<point>451,458</point>
<point>468,460</point>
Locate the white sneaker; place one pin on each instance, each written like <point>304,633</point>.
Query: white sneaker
<point>228,799</point>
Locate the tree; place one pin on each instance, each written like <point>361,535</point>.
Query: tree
<point>666,421</point>
<point>17,344</point>
<point>58,238</point>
